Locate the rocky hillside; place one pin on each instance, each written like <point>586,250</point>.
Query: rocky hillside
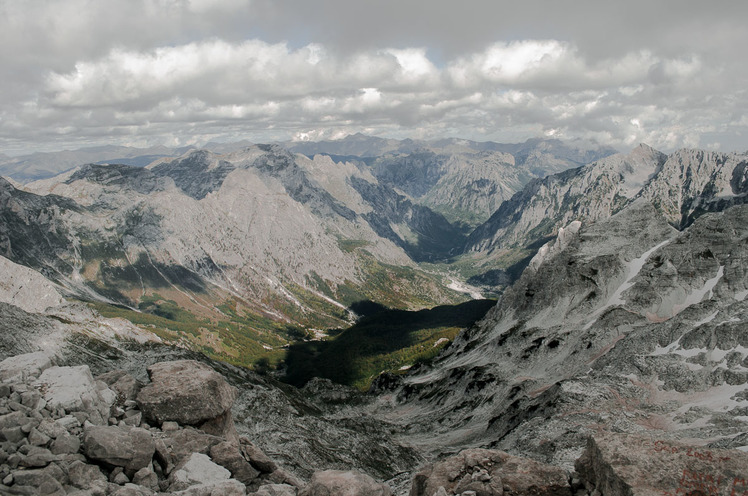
<point>682,186</point>
<point>464,180</point>
<point>240,252</point>
<point>263,237</point>
<point>68,431</point>
<point>625,324</point>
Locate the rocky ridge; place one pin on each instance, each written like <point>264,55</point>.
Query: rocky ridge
<point>631,326</point>
<point>254,226</point>
<point>682,186</point>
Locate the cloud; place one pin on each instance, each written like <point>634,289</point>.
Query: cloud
<point>192,70</point>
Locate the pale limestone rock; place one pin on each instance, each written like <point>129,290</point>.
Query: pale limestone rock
<point>75,390</point>
<point>19,367</point>
<point>342,483</point>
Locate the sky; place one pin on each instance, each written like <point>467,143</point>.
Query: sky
<point>78,73</point>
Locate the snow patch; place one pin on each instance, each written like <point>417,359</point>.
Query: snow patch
<point>632,269</point>
<point>718,354</point>
<point>698,294</point>
<point>741,295</point>
<point>707,319</point>
<point>440,341</point>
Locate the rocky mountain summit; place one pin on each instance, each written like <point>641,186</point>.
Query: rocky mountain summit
<point>682,186</point>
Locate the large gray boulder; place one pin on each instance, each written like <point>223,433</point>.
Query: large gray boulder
<point>174,447</point>
<point>490,473</point>
<point>189,393</point>
<point>342,483</point>
<point>129,447</point>
<point>75,390</point>
<point>623,464</point>
<point>21,367</point>
<point>228,455</point>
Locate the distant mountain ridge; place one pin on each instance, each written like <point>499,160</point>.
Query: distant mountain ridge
<point>682,186</point>
<point>42,165</point>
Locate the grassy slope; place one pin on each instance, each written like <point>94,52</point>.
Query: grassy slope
<point>384,341</point>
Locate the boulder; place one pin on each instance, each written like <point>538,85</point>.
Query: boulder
<point>623,464</point>
<point>38,457</point>
<point>257,457</point>
<point>228,455</point>
<point>187,392</point>
<point>65,444</point>
<point>122,383</point>
<point>131,448</point>
<point>229,487</point>
<point>85,476</point>
<point>174,447</point>
<point>75,390</point>
<point>490,473</point>
<point>39,481</point>
<point>147,478</point>
<point>198,469</point>
<point>275,490</point>
<point>280,476</point>
<point>342,483</point>
<point>20,367</point>
<point>132,490</point>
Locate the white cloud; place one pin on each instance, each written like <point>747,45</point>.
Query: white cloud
<point>186,69</point>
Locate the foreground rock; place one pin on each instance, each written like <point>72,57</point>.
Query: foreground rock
<point>131,448</point>
<point>342,483</point>
<point>62,432</point>
<point>490,473</point>
<point>622,465</point>
<point>189,393</point>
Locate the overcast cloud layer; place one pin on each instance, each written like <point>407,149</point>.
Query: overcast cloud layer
<point>176,72</point>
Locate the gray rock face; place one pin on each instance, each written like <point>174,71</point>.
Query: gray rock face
<point>620,464</point>
<point>131,448</point>
<point>195,470</point>
<point>343,483</point>
<point>26,288</point>
<point>21,367</point>
<point>187,392</point>
<point>682,187</point>
<point>631,325</point>
<point>490,473</point>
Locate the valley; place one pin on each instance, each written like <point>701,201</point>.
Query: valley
<point>241,253</point>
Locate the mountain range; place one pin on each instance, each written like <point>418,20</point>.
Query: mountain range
<point>620,278</point>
